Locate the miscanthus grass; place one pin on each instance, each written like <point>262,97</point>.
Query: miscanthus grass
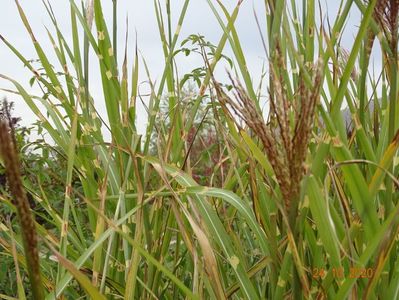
<point>223,196</point>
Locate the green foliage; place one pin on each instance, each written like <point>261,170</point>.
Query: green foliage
<point>213,201</point>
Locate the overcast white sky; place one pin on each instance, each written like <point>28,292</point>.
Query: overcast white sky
<point>141,16</point>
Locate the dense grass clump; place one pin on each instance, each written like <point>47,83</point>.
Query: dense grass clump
<point>222,197</point>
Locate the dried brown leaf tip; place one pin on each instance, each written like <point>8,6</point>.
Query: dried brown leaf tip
<point>285,140</point>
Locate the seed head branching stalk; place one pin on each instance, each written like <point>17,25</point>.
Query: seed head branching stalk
<point>8,153</point>
<point>285,143</point>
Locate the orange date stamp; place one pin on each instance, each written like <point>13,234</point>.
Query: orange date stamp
<point>341,273</point>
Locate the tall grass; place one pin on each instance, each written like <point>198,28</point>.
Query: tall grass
<point>302,209</point>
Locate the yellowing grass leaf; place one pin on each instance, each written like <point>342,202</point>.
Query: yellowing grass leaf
<point>79,276</point>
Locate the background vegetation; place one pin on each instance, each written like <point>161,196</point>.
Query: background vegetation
<point>223,196</point>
